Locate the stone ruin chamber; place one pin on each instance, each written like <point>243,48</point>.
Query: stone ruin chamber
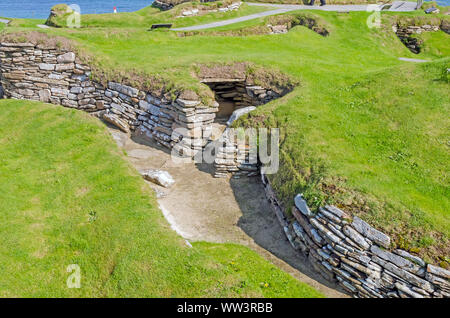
<point>236,97</point>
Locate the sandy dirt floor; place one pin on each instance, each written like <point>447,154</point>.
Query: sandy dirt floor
<point>203,208</point>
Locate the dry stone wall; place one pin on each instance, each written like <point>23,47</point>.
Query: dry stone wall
<point>49,74</point>
<point>405,34</point>
<point>347,250</point>
<point>234,156</point>
<point>276,27</point>
<point>242,93</point>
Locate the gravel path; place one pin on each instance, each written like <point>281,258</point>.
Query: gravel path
<point>407,59</point>
<point>236,20</point>
<point>398,6</point>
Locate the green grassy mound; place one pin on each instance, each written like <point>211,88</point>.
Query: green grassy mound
<point>68,197</point>
<point>59,15</point>
<point>376,146</point>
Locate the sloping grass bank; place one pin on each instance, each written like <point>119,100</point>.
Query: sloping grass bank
<point>68,197</point>
<point>376,146</point>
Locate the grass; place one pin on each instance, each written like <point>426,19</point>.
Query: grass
<point>435,44</point>
<point>25,23</point>
<point>363,130</point>
<point>68,197</point>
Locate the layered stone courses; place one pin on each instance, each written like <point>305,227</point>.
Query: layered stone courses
<point>53,75</point>
<point>347,250</point>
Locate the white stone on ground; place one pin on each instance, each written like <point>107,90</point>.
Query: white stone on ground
<point>238,113</point>
<point>160,177</point>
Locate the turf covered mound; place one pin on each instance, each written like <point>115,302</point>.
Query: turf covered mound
<point>58,15</point>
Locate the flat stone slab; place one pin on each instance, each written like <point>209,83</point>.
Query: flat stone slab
<point>371,233</point>
<point>160,177</point>
<point>301,205</point>
<point>238,113</point>
<point>438,271</point>
<point>4,21</point>
<point>43,26</point>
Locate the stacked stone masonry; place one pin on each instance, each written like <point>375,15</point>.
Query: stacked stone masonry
<point>241,93</point>
<point>235,157</point>
<point>348,251</point>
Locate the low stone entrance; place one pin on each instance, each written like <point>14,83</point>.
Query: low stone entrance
<point>235,97</point>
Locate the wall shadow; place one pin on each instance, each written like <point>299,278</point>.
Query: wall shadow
<point>260,223</point>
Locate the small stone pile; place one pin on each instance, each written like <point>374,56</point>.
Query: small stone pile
<point>445,26</point>
<point>347,250</point>
<point>405,35</point>
<point>242,94</point>
<point>164,5</point>
<point>279,27</point>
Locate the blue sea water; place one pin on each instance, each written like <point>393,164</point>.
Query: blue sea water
<point>40,9</point>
